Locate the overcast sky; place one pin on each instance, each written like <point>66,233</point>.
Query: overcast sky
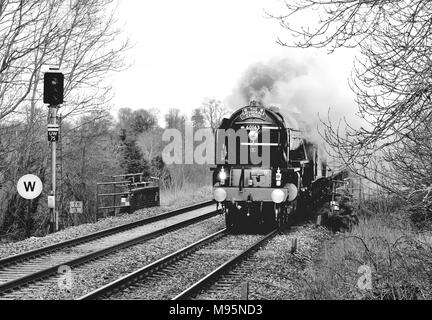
<point>188,50</point>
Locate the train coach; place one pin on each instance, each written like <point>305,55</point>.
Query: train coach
<point>264,171</point>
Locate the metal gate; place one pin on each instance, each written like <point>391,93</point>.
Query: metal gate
<point>126,193</point>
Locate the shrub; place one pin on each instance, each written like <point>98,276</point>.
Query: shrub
<point>399,256</point>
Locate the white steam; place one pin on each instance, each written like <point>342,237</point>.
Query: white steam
<point>303,90</point>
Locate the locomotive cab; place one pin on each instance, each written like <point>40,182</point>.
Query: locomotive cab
<point>259,175</point>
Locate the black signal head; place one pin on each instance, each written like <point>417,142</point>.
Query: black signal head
<point>53,88</point>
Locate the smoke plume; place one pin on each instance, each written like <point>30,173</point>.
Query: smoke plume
<point>303,90</point>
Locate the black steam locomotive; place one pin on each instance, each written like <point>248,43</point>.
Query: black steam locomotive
<point>265,170</point>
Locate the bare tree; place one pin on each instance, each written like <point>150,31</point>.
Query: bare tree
<point>90,155</point>
<point>24,36</point>
<point>175,120</point>
<point>391,77</point>
<point>75,35</point>
<point>213,112</point>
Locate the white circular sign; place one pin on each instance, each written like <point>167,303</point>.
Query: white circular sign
<point>30,187</point>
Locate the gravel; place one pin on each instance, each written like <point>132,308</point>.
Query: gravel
<point>101,272</point>
<point>273,273</point>
<point>79,231</point>
<point>185,272</point>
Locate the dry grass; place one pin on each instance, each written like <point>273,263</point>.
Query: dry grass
<point>399,257</point>
<point>186,195</point>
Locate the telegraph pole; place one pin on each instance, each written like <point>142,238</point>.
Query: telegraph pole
<point>53,96</point>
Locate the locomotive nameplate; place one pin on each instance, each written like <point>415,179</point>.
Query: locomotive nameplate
<point>253,113</point>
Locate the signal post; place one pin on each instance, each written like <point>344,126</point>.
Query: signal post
<point>53,96</point>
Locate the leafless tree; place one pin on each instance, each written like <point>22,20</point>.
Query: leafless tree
<point>77,36</point>
<point>175,120</point>
<point>391,78</point>
<point>213,112</point>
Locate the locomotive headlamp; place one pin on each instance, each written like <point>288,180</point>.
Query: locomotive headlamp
<point>222,175</point>
<point>278,196</point>
<point>220,195</point>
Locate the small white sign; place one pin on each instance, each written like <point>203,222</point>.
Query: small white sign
<point>51,202</point>
<point>76,207</point>
<point>53,132</point>
<point>30,187</point>
<point>125,202</point>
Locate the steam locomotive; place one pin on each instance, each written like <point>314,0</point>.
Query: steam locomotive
<point>265,170</point>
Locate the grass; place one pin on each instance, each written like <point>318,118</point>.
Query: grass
<point>398,255</point>
<point>185,195</point>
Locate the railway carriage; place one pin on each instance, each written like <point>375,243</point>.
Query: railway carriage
<point>265,170</point>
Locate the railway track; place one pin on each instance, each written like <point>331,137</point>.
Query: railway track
<point>194,267</point>
<point>31,267</point>
<point>213,276</point>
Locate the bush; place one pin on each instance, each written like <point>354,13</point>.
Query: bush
<point>399,256</point>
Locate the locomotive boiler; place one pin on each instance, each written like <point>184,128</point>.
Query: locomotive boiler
<point>265,170</point>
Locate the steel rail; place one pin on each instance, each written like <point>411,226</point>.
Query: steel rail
<point>98,235</point>
<point>17,283</point>
<point>153,267</point>
<point>214,275</point>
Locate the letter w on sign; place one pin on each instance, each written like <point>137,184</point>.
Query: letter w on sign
<point>30,186</point>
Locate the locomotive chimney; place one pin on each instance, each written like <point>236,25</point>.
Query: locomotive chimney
<point>255,103</point>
